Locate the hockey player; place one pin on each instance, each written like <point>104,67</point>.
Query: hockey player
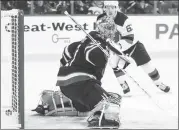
<point>79,77</point>
<point>130,46</point>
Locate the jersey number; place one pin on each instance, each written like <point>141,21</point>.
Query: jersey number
<point>129,28</point>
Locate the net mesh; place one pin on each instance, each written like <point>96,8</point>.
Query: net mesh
<point>15,63</point>
<point>11,57</point>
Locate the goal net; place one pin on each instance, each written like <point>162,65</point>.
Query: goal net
<point>12,69</point>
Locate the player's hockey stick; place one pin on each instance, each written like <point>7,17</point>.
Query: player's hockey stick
<point>92,39</point>
<point>130,6</point>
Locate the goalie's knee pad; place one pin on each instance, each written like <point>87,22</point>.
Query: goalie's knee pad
<point>53,102</point>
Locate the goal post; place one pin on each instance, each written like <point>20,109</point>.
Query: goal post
<point>12,69</point>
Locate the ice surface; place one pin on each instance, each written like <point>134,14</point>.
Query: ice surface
<point>137,110</point>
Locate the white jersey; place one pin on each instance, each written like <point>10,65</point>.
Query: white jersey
<point>126,34</point>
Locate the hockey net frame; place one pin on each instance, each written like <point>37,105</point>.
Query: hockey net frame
<point>16,28</point>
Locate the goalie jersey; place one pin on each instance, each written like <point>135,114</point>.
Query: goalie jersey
<point>82,60</point>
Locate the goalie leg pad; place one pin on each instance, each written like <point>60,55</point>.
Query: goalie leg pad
<point>106,113</point>
<point>53,101</point>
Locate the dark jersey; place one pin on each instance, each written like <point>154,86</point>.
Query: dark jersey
<point>87,61</point>
<point>68,53</point>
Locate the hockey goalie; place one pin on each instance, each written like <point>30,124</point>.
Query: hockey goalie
<point>79,77</point>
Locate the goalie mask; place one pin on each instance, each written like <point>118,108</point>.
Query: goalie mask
<point>106,27</point>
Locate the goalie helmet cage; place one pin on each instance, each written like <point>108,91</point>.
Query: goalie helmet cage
<point>15,29</point>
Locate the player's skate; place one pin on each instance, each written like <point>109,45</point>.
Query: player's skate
<point>163,87</point>
<point>125,87</point>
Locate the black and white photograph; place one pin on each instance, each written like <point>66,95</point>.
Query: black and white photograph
<point>86,64</point>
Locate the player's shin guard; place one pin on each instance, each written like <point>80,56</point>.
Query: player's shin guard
<point>106,113</point>
<point>120,75</point>
<point>155,76</point>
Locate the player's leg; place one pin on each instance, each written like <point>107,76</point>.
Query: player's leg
<point>142,58</point>
<point>116,63</point>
